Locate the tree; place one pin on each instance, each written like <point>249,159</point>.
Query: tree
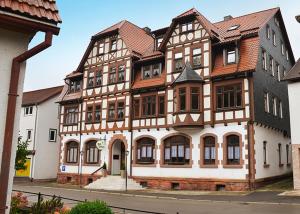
<point>21,156</point>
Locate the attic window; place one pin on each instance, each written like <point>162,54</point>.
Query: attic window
<point>233,27</point>
<point>158,41</point>
<point>185,27</point>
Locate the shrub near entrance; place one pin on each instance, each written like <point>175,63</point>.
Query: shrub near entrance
<point>93,207</point>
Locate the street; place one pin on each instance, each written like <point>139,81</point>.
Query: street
<point>169,205</point>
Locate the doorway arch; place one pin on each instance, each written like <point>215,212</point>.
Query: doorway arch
<point>117,154</point>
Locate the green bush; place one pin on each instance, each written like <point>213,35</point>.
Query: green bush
<point>47,206</point>
<point>93,207</point>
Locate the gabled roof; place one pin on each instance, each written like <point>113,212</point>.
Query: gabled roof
<point>39,96</point>
<point>188,75</point>
<point>43,10</point>
<point>294,73</point>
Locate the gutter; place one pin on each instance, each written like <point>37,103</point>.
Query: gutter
<point>10,115</point>
<point>34,142</point>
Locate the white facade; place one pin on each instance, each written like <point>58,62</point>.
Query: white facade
<point>44,117</point>
<point>294,101</point>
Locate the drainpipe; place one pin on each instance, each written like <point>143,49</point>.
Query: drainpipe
<point>10,115</point>
<point>34,142</point>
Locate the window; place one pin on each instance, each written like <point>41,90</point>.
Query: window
<point>197,55</point>
<point>276,21</point>
<point>111,111</point>
<point>177,150</point>
<point>120,110</point>
<point>97,113</point>
<point>136,108</point>
<point>113,45</point>
<point>209,150</point>
<point>151,71</point>
<point>280,110</point>
<point>94,79</point>
<point>231,56</point>
<point>52,135</point>
<point>149,106</point>
<point>99,78</point>
<point>182,99</point>
<point>101,48</point>
<point>229,96</point>
<point>71,115</point>
<point>274,101</point>
<point>159,41</point>
<point>274,38</point>
<point>195,98</point>
<point>28,110</point>
<point>112,75</point>
<point>72,152</point>
<point>272,66</point>
<point>75,86</point>
<point>178,62</point>
<point>266,102</point>
<point>284,71</point>
<point>268,32</point>
<point>161,105</point>
<point>90,79</point>
<point>233,27</point>
<point>279,154</point>
<point>92,153</point>
<point>287,149</point>
<point>89,114</point>
<point>278,73</point>
<point>185,27</point>
<point>282,48</point>
<point>233,149</point>
<point>93,114</point>
<point>29,134</point>
<point>264,60</point>
<point>145,152</point>
<point>121,73</point>
<point>265,152</point>
<point>287,55</point>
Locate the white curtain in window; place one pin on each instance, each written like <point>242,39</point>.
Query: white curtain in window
<point>167,153</point>
<point>144,154</point>
<point>149,151</point>
<point>187,153</point>
<point>180,151</point>
<point>174,152</point>
<point>237,152</point>
<point>139,154</point>
<point>230,152</point>
<point>213,153</point>
<point>207,151</point>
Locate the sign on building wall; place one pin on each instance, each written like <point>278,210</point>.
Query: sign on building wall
<point>24,172</point>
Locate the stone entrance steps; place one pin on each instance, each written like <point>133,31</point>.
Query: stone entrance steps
<point>114,183</point>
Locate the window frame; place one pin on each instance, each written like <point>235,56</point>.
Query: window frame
<point>265,153</point>
<point>55,135</point>
<point>267,102</point>
<point>268,32</point>
<point>76,114</point>
<point>29,139</point>
<point>111,44</point>
<point>264,60</point>
<point>236,162</point>
<point>196,55</point>
<point>151,71</point>
<point>115,110</point>
<point>68,149</point>
<point>145,142</point>
<point>279,149</point>
<point>88,147</point>
<point>179,60</point>
<point>274,38</point>
<point>187,27</point>
<point>230,50</point>
<point>77,86</point>
<point>203,162</point>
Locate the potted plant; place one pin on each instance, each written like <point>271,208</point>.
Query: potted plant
<point>123,172</point>
<point>104,170</point>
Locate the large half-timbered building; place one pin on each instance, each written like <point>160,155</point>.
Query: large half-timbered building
<point>195,105</point>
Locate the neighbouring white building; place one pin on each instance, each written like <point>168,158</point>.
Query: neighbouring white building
<point>19,22</point>
<point>39,127</point>
<point>293,77</point>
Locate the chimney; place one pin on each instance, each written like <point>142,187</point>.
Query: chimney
<point>226,18</point>
<point>147,30</point>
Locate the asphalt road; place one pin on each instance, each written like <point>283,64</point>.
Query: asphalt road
<point>170,205</point>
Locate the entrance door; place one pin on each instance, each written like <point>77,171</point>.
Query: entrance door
<point>118,157</point>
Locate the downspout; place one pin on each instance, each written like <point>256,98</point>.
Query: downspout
<point>10,115</point>
<point>34,141</point>
<point>80,150</point>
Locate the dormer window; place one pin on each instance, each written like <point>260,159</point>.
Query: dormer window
<point>178,62</point>
<point>268,29</point>
<point>233,27</point>
<point>151,71</point>
<point>185,27</point>
<point>75,86</point>
<point>231,55</point>
<point>113,44</point>
<point>197,57</point>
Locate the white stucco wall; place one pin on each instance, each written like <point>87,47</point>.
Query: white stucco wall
<point>294,103</point>
<point>12,44</point>
<point>273,138</point>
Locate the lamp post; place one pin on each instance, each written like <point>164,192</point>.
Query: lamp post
<point>127,152</point>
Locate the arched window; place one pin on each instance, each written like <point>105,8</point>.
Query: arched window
<point>177,150</point>
<point>72,152</point>
<point>145,152</point>
<point>92,153</point>
<point>209,150</point>
<point>233,149</point>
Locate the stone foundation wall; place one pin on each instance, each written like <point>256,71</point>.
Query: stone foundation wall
<point>296,165</point>
<point>64,178</point>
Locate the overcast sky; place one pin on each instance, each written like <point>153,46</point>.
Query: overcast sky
<point>84,18</point>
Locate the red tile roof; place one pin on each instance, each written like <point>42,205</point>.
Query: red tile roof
<point>137,40</point>
<point>40,96</point>
<point>249,50</point>
<point>43,10</point>
<point>140,83</point>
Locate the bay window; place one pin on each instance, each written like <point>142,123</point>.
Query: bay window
<point>182,99</point>
<point>195,98</point>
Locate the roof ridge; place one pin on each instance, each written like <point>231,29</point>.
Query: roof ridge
<point>42,89</point>
<point>261,11</point>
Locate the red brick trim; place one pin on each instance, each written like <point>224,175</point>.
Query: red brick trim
<point>62,178</point>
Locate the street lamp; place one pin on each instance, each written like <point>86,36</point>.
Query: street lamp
<point>127,153</point>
